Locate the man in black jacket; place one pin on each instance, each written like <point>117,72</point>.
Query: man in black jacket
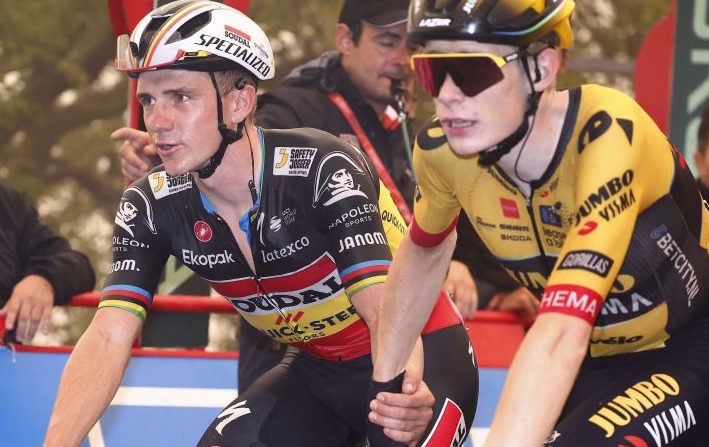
<point>371,55</point>
<point>37,268</point>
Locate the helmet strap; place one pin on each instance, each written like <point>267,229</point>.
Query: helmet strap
<point>493,154</point>
<point>228,135</point>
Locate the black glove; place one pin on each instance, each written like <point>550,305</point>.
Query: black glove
<point>375,433</point>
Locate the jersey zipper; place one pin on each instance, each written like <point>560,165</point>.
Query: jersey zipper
<point>265,294</point>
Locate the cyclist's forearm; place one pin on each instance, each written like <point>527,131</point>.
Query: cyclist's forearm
<point>90,380</point>
<point>411,291</point>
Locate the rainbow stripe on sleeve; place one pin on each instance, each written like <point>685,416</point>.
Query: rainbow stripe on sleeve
<point>364,274</point>
<point>123,296</point>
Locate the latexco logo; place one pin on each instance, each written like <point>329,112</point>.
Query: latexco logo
<point>283,252</point>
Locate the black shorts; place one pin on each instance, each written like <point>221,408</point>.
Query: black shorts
<point>655,398</point>
<point>305,401</point>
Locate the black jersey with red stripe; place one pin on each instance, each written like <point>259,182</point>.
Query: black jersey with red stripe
<point>323,227</point>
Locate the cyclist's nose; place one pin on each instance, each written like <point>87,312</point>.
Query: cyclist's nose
<point>160,118</point>
<point>450,92</point>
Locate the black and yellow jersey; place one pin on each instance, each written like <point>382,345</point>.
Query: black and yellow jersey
<point>322,229</point>
<point>614,232</point>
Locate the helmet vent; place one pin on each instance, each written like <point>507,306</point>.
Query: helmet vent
<point>445,6</point>
<point>516,15</point>
<point>147,36</point>
<point>190,27</point>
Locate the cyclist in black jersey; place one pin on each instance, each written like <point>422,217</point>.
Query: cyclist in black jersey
<point>293,227</point>
<point>582,199</point>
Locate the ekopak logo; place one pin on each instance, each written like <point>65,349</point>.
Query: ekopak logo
<point>202,231</point>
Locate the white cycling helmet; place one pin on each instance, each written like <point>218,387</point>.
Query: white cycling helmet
<point>196,35</point>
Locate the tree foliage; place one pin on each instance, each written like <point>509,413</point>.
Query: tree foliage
<point>612,31</point>
<point>57,104</point>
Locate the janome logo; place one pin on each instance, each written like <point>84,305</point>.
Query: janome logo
<point>202,231</point>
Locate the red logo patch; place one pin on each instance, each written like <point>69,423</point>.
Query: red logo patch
<point>509,208</point>
<point>449,429</point>
<point>634,442</point>
<point>202,231</point>
<point>289,317</point>
<point>588,227</point>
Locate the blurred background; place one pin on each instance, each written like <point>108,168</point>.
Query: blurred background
<point>60,98</point>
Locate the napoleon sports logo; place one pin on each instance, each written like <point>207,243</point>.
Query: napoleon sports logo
<point>128,211</point>
<point>335,179</point>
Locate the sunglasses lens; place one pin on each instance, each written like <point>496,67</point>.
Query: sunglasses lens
<point>471,74</point>
<point>430,74</point>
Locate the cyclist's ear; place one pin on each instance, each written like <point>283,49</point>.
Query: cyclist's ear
<point>545,68</point>
<point>240,103</point>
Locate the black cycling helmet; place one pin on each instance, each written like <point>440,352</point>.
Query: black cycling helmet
<point>508,22</point>
<point>517,23</point>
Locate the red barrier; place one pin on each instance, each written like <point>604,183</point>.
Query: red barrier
<point>167,303</point>
<point>495,335</point>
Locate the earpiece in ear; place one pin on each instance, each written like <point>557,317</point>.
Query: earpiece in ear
<point>537,73</point>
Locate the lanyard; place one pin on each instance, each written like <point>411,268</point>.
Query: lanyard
<point>349,115</point>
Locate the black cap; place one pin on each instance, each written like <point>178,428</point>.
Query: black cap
<point>374,12</point>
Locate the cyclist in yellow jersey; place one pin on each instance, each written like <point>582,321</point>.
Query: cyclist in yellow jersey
<point>583,200</point>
